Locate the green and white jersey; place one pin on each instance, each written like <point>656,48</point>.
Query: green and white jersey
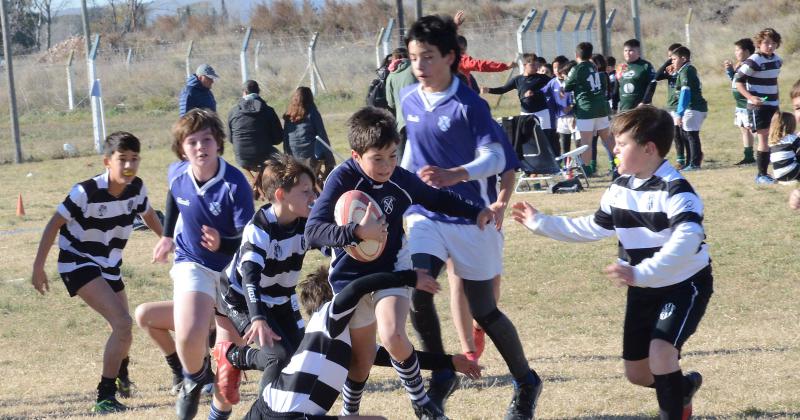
<point>589,89</point>
<point>686,79</point>
<point>633,80</point>
<point>741,101</point>
<point>672,94</point>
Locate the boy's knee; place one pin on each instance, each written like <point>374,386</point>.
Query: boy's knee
<point>394,340</point>
<point>141,316</point>
<point>639,375</point>
<point>123,325</point>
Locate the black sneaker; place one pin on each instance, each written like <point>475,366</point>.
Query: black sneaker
<point>124,387</point>
<point>428,411</point>
<point>438,392</point>
<point>523,405</point>
<point>696,380</point>
<point>177,382</point>
<point>188,399</point>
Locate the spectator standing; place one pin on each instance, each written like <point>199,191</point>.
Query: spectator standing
<point>254,128</point>
<point>197,91</point>
<point>302,123</point>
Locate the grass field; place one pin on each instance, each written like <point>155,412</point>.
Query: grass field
<point>568,316</point>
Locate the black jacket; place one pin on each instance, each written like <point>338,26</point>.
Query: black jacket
<point>254,130</point>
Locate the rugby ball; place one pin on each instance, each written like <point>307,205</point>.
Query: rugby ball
<point>350,208</point>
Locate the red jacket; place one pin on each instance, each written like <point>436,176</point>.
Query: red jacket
<point>469,64</point>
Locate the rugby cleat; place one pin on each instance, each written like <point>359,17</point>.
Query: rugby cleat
<point>526,396</point>
<point>696,379</point>
<point>428,411</point>
<point>228,377</point>
<point>108,405</point>
<point>124,386</point>
<point>479,338</point>
<point>438,392</point>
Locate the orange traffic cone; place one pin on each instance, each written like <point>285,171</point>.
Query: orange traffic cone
<point>20,207</point>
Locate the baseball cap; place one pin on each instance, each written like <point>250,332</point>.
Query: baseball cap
<point>206,70</point>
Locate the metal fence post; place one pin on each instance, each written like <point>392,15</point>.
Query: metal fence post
<point>688,31</point>
<point>387,39</point>
<point>98,124</point>
<point>188,58</point>
<point>576,32</point>
<point>378,46</point>
<point>311,68</point>
<point>243,53</point>
<point>559,41</point>
<point>589,35</point>
<point>70,95</point>
<point>539,30</point>
<point>12,95</point>
<point>609,23</point>
<point>637,24</point>
<point>523,27</point>
<point>128,60</point>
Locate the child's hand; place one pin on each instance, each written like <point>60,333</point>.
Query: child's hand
<point>568,109</point>
<point>756,100</point>
<point>370,228</point>
<point>727,64</point>
<point>524,213</point>
<point>39,280</point>
<point>469,368</point>
<point>499,209</point>
<point>426,282</point>
<point>162,250</point>
<point>440,177</point>
<point>459,17</point>
<point>794,200</point>
<point>210,239</point>
<point>260,333</point>
<point>620,274</point>
<point>484,217</point>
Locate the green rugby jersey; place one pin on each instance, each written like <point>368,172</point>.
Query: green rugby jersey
<point>686,78</point>
<point>672,95</point>
<point>589,89</point>
<point>741,101</point>
<point>633,80</point>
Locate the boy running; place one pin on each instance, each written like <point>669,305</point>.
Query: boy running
<point>663,259</point>
<point>373,170</point>
<point>93,225</point>
<point>757,80</point>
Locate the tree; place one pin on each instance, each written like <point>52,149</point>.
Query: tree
<point>22,24</point>
<point>46,11</point>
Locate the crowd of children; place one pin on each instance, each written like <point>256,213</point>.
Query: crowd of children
<point>236,270</point>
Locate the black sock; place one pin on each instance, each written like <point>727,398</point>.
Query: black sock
<point>669,391</point>
<point>175,365</point>
<point>107,388</point>
<point>201,376</point>
<point>687,386</point>
<point>566,139</point>
<point>762,161</point>
<point>123,369</point>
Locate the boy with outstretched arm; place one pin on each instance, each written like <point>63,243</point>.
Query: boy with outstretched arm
<point>93,225</point>
<point>373,169</point>
<point>663,259</point>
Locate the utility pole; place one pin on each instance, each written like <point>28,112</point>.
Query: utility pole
<point>85,16</point>
<point>12,94</point>
<point>401,27</point>
<point>418,9</point>
<point>637,25</point>
<point>601,10</point>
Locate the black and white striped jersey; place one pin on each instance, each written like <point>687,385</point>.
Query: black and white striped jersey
<point>658,221</point>
<point>315,375</point>
<point>760,75</point>
<point>98,225</point>
<point>783,157</point>
<point>267,266</point>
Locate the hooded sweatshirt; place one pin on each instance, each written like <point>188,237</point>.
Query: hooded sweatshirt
<point>195,95</point>
<point>254,130</point>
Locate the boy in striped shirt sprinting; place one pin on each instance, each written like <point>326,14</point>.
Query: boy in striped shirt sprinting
<point>663,258</point>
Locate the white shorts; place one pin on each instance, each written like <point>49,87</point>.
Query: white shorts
<point>740,118</point>
<point>543,116</point>
<point>693,120</point>
<point>564,125</point>
<point>593,124</point>
<point>364,313</point>
<point>193,277</point>
<point>476,254</point>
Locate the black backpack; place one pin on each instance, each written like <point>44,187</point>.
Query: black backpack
<point>376,94</point>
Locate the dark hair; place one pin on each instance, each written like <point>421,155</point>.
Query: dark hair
<point>767,33</point>
<point>121,141</point>
<point>462,42</point>
<point>646,123</point>
<point>611,61</point>
<point>567,67</point>
<point>439,31</point>
<point>282,171</point>
<point>195,121</point>
<point>584,50</point>
<point>632,43</point>
<point>529,58</point>
<point>314,290</point>
<point>300,104</point>
<point>599,62</point>
<point>370,128</point>
<point>674,47</point>
<point>541,60</point>
<point>746,44</point>
<point>399,53</point>
<point>795,90</point>
<point>682,52</point>
<point>251,86</point>
<point>561,60</point>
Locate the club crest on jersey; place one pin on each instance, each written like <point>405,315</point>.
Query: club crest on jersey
<point>277,250</point>
<point>388,204</point>
<point>101,211</point>
<point>215,208</point>
<point>667,311</point>
<point>130,206</point>
<point>444,122</point>
<point>182,201</point>
<point>628,87</point>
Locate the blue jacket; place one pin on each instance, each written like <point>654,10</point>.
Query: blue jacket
<point>195,95</point>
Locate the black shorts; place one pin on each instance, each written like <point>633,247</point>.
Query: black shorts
<point>81,276</point>
<point>669,313</point>
<point>760,116</point>
<point>261,411</point>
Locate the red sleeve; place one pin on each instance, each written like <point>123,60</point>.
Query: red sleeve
<point>473,64</point>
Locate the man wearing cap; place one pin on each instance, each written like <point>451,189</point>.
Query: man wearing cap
<point>197,92</point>
<point>254,128</point>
